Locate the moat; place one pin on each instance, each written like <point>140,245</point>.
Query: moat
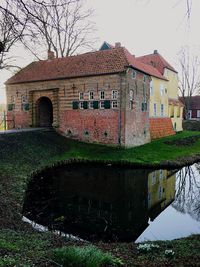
<point>96,202</point>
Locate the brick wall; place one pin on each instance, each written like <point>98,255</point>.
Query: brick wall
<point>99,126</point>
<point>110,126</point>
<point>161,127</point>
<point>137,115</point>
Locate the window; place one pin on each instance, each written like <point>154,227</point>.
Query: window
<point>24,99</point>
<point>91,95</point>
<point>81,96</point>
<point>114,104</point>
<point>151,87</point>
<point>144,78</point>
<point>162,110</point>
<point>102,104</point>
<point>133,74</point>
<point>114,94</point>
<point>198,113</point>
<point>102,94</point>
<point>160,192</point>
<point>161,174</point>
<point>81,105</point>
<point>12,99</point>
<point>153,178</point>
<point>131,104</point>
<point>91,105</point>
<point>131,94</point>
<point>155,109</point>
<point>189,114</point>
<point>162,89</point>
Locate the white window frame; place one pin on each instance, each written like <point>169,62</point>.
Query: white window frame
<point>102,95</point>
<point>114,104</point>
<point>198,113</point>
<point>131,94</point>
<point>91,95</point>
<point>190,114</point>
<point>81,105</point>
<point>91,105</point>
<point>151,87</point>
<point>162,90</point>
<point>101,105</point>
<point>114,94</point>
<point>81,96</point>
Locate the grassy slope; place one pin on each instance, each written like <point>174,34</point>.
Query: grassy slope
<point>23,153</point>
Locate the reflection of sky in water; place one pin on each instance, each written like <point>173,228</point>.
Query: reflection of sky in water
<point>172,224</point>
<point>169,225</point>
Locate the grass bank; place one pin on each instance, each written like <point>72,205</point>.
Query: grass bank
<point>24,153</point>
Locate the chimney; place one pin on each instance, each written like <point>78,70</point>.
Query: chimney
<point>50,55</point>
<point>117,44</point>
<point>155,51</point>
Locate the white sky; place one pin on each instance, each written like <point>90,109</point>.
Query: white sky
<point>140,25</point>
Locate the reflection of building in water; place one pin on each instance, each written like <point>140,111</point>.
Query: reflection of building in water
<point>101,202</point>
<point>161,191</point>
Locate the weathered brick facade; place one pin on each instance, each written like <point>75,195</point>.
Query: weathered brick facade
<point>100,97</point>
<point>126,125</point>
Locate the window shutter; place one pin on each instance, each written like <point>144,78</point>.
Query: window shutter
<point>95,104</point>
<point>107,104</point>
<point>26,106</point>
<point>85,105</point>
<point>11,107</point>
<point>75,104</point>
<point>143,107</point>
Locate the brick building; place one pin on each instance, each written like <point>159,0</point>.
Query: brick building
<point>100,96</point>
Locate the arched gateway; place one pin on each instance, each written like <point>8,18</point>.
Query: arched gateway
<point>44,109</point>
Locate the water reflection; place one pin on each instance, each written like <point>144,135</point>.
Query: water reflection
<point>188,191</point>
<point>99,202</point>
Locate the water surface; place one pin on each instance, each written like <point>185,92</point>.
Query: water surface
<point>108,203</point>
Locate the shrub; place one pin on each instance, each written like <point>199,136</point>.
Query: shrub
<point>88,256</point>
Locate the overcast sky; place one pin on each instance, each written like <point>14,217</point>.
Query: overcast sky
<point>140,25</point>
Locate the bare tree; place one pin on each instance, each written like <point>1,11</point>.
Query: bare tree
<point>11,32</point>
<point>187,191</point>
<point>62,26</point>
<point>189,82</point>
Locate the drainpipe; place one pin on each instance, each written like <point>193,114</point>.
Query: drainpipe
<point>120,113</point>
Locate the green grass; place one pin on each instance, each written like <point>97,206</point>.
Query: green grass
<point>88,256</point>
<point>21,248</point>
<point>24,153</point>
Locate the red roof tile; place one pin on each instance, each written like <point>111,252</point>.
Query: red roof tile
<point>175,102</point>
<point>93,63</point>
<point>141,66</point>
<point>157,61</point>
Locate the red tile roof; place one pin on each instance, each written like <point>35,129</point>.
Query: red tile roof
<point>133,61</point>
<point>175,102</point>
<point>93,63</point>
<point>157,61</point>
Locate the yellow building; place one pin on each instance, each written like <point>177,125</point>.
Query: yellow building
<point>161,189</point>
<point>164,101</point>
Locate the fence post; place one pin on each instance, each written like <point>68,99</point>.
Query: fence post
<point>4,119</point>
